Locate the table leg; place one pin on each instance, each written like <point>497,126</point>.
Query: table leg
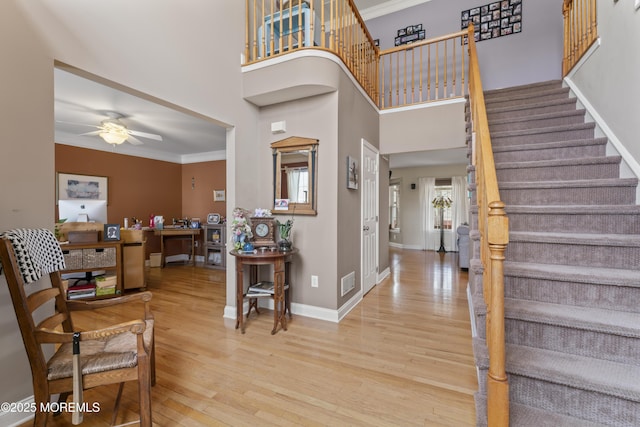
<point>278,296</point>
<point>162,251</point>
<point>239,295</point>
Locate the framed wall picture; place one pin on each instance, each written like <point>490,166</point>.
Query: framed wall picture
<point>83,187</point>
<point>218,196</point>
<point>111,232</point>
<point>352,173</point>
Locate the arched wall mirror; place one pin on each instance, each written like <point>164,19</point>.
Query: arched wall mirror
<point>295,170</point>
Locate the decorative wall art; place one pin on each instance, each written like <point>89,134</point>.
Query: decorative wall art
<point>409,34</point>
<point>496,19</point>
<point>85,187</point>
<point>352,173</point>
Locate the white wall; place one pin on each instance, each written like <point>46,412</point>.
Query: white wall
<point>610,78</point>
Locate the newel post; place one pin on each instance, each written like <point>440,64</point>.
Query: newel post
<point>497,384</point>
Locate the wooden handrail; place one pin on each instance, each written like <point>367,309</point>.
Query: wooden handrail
<point>493,226</point>
<point>580,30</point>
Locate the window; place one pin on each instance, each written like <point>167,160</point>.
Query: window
<point>443,189</point>
<point>394,207</point>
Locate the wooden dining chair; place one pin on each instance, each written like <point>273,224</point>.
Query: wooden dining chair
<point>116,354</point>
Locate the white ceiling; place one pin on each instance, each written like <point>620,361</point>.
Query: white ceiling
<point>83,102</point>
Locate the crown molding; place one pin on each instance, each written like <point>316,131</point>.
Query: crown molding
<point>389,7</point>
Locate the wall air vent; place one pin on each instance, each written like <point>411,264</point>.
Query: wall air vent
<point>348,283</point>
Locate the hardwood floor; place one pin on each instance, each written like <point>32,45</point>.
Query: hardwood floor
<point>402,357</point>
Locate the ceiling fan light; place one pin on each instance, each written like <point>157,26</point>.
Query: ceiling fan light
<point>114,138</point>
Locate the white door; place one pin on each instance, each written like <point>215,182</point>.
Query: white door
<point>369,209</point>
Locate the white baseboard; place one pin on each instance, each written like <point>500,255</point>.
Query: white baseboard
<point>14,419</point>
<point>383,275</point>
<point>305,310</point>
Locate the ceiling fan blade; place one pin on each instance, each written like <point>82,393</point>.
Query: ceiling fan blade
<point>134,141</point>
<point>145,135</point>
<point>97,132</point>
<point>77,124</point>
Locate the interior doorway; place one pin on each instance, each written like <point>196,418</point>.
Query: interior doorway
<point>369,209</point>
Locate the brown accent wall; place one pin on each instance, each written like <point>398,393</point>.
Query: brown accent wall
<point>199,180</point>
<point>139,187</point>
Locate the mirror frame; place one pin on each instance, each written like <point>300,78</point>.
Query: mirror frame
<point>291,144</point>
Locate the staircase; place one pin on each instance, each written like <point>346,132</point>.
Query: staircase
<point>572,269</point>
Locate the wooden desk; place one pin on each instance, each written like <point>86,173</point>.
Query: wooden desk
<point>178,233</point>
<point>279,260</point>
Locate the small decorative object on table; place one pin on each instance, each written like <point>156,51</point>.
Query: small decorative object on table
<point>240,228</point>
<point>263,229</point>
<point>284,244</point>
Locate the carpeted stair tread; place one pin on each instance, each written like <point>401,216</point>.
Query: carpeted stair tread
<point>526,88</point>
<point>569,103</point>
<point>559,162</point>
<point>541,120</point>
<point>559,272</point>
<point>550,145</point>
<point>619,323</point>
<point>526,416</point>
<point>600,376</point>
<point>536,117</point>
<point>575,209</point>
<point>545,93</point>
<point>592,219</point>
<point>608,182</point>
<point>576,238</point>
<point>551,129</point>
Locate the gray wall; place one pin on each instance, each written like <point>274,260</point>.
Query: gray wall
<point>357,119</point>
<point>26,167</point>
<point>533,55</point>
<point>610,78</point>
<point>314,236</point>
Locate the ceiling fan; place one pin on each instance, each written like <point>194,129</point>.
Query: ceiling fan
<point>114,132</point>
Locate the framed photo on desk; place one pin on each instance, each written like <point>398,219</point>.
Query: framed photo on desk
<point>213,218</point>
<point>111,232</point>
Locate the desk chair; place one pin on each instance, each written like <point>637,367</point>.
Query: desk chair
<point>119,353</point>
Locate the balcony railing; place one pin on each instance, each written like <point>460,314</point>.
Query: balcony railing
<point>274,27</point>
<point>426,71</point>
<point>580,30</point>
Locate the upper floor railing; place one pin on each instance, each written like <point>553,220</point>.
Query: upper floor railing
<point>274,27</point>
<point>425,71</point>
<point>580,30</point>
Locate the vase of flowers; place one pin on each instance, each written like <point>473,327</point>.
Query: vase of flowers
<point>284,228</point>
<point>240,228</point>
